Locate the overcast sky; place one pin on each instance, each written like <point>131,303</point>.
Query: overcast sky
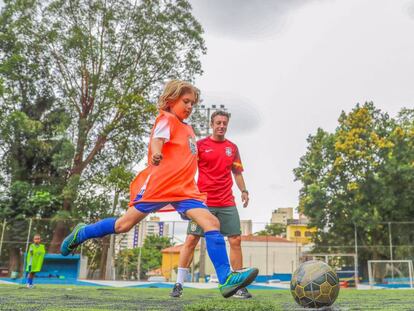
<point>286,67</point>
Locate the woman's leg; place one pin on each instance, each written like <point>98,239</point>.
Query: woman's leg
<point>230,283</point>
<point>216,246</point>
<point>128,220</point>
<point>111,225</point>
<point>203,218</point>
<point>106,226</point>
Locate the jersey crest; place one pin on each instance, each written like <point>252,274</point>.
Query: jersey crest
<point>229,152</point>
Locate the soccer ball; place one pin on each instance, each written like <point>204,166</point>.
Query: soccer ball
<point>314,285</point>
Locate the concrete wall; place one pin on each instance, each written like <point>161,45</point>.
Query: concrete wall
<point>268,257</point>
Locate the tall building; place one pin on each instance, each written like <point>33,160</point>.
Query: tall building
<point>136,236</point>
<point>246,227</point>
<point>281,215</point>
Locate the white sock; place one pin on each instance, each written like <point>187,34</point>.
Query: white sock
<point>182,275</point>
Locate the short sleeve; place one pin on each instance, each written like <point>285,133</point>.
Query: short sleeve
<point>237,166</point>
<point>162,129</point>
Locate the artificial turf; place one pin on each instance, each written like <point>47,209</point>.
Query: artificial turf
<point>50,297</point>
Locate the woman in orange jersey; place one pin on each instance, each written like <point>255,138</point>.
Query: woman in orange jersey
<point>168,182</point>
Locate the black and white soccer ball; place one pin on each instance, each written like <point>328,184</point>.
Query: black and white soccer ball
<point>314,285</point>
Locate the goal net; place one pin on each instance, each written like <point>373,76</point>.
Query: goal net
<point>390,273</point>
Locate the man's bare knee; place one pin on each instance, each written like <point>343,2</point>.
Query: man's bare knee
<point>235,241</point>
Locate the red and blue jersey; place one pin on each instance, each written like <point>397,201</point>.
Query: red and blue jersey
<point>217,160</point>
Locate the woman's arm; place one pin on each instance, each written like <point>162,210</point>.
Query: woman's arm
<point>156,149</point>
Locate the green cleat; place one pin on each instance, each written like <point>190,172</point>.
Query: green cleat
<point>69,244</point>
<point>237,280</point>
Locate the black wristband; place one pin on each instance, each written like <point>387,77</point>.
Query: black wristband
<point>245,191</point>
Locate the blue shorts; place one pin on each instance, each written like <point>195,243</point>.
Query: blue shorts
<point>180,206</point>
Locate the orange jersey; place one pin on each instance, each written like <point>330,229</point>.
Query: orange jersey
<point>173,179</point>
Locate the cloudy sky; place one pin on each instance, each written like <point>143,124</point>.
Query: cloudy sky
<point>286,67</point>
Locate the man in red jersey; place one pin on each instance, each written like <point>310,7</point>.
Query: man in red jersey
<point>218,160</point>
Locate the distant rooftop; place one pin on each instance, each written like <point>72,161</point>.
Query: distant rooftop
<point>297,221</point>
<point>262,238</point>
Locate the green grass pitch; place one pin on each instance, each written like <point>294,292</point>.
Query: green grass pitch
<point>49,297</point>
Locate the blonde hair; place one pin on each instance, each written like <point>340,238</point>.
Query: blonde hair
<point>173,90</point>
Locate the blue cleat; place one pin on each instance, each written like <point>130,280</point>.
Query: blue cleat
<point>237,280</point>
<point>70,243</point>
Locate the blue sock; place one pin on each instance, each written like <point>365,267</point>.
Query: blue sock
<point>216,248</point>
<point>97,230</point>
<point>29,281</point>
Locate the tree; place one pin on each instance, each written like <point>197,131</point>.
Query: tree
<point>360,176</point>
<point>151,256</point>
<point>112,181</point>
<point>34,153</point>
<point>108,60</point>
<point>272,230</point>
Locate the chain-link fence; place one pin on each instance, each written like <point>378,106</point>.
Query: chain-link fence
<point>150,251</point>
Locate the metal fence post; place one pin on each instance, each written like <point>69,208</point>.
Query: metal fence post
<point>140,244</point>
<point>390,237</point>
<point>171,254</point>
<point>267,255</point>
<point>391,257</point>
<point>139,264</point>
<point>2,235</point>
<point>28,234</point>
<point>109,270</point>
<point>202,262</point>
<point>356,256</point>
